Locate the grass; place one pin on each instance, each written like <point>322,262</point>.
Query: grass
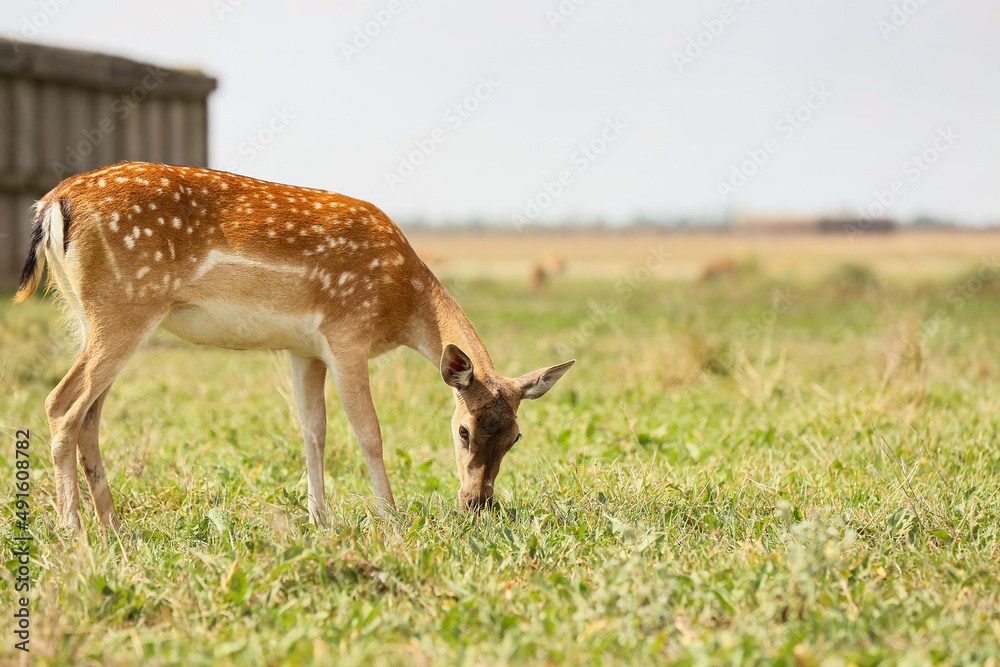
<point>749,470</point>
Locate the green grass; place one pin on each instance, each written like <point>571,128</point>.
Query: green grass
<point>738,472</point>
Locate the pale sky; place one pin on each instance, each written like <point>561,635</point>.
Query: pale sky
<point>351,113</point>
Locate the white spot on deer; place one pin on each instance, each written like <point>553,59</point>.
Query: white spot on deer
<point>102,182</point>
<point>270,219</point>
<point>166,279</point>
<point>317,228</point>
<point>317,205</point>
<point>129,242</point>
<point>289,225</point>
<point>158,256</point>
<point>122,179</point>
<point>374,263</point>
<point>176,222</point>
<point>366,304</point>
<point>204,191</point>
<point>152,207</point>
<point>344,277</point>
<point>142,181</point>
<point>326,281</point>
<point>224,186</point>
<point>271,233</point>
<point>114,222</point>
<point>160,220</point>
<point>398,260</point>
<point>177,283</point>
<point>164,182</point>
<point>147,231</point>
<point>177,196</point>
<point>128,289</point>
<point>141,272</point>
<point>190,229</point>
<point>417,284</point>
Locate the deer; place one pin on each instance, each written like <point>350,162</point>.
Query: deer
<point>234,262</point>
<point>545,269</point>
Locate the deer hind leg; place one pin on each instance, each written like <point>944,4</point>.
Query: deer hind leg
<point>351,379</point>
<point>74,419</point>
<point>309,378</point>
<point>93,466</point>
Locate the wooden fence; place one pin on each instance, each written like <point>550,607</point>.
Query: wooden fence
<point>63,112</point>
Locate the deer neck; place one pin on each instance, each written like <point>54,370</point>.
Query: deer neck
<point>440,321</point>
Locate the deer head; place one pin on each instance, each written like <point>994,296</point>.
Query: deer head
<point>484,425</point>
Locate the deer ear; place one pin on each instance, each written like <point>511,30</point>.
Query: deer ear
<point>456,368</point>
<point>536,383</point>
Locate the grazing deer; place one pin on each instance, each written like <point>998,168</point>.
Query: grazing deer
<point>545,269</point>
<point>224,260</point>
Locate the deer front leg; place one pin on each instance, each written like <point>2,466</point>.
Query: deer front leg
<point>351,380</point>
<point>308,378</point>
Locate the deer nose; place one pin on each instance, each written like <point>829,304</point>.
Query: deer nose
<point>474,502</point>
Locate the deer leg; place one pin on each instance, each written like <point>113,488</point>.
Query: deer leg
<point>93,466</point>
<point>68,407</point>
<point>351,380</point>
<point>308,378</point>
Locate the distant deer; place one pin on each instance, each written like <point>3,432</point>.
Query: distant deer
<point>225,260</point>
<point>544,269</point>
<point>718,268</point>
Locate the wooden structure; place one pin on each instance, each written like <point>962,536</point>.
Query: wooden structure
<point>63,112</point>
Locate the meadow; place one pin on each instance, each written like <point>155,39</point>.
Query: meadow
<point>795,462</point>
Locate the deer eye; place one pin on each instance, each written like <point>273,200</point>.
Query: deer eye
<point>463,433</point>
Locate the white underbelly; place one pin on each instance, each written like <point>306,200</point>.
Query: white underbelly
<point>239,327</point>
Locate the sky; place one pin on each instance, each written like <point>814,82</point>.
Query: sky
<point>532,112</point>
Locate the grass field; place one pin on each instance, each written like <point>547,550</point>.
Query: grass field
<point>797,463</point>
